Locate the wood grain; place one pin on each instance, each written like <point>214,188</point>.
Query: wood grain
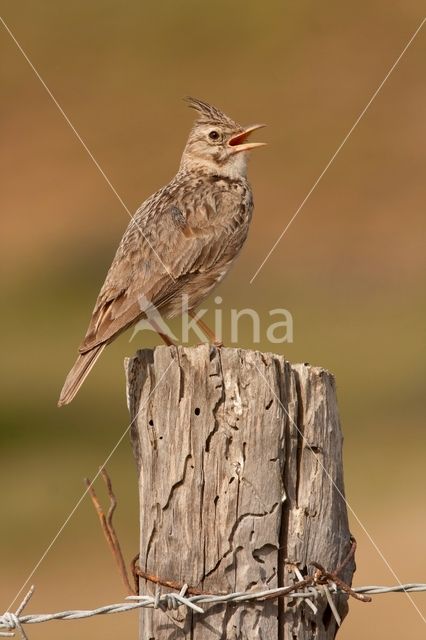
<point>239,456</point>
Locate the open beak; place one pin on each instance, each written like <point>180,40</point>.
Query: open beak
<point>239,141</point>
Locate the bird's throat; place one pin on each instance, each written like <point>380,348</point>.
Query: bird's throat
<point>232,167</point>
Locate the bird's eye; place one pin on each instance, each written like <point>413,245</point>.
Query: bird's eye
<point>214,135</point>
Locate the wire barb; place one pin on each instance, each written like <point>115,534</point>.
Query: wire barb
<point>11,622</point>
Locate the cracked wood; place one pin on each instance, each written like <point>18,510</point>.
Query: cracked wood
<point>237,452</point>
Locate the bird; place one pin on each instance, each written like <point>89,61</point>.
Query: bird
<point>181,241</point>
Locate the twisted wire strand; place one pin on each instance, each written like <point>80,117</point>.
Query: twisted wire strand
<point>12,622</point>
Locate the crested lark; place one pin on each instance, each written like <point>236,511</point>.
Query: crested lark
<point>182,240</point>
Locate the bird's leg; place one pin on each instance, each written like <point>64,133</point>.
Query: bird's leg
<point>168,341</point>
<point>205,329</point>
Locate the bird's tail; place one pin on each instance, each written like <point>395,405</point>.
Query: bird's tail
<point>79,373</point>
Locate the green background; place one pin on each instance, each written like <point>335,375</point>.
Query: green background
<point>350,269</point>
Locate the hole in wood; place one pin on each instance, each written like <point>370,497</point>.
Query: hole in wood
<point>197,411</point>
<point>151,423</point>
<point>314,448</point>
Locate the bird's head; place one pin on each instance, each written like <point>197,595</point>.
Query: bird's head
<point>217,143</point>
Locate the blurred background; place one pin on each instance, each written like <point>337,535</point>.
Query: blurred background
<point>351,269</point>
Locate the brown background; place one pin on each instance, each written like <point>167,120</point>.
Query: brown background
<point>350,269</point>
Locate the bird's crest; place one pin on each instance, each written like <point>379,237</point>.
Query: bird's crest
<point>208,114</point>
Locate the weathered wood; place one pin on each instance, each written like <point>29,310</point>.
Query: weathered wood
<point>239,456</point>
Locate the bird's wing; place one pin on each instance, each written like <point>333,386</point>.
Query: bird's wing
<point>158,253</point>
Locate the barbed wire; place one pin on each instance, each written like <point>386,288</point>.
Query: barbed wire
<point>12,622</point>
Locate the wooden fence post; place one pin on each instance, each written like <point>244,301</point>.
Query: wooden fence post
<point>239,457</point>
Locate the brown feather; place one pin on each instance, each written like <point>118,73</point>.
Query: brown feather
<point>181,241</point>
<point>78,374</point>
<point>209,114</point>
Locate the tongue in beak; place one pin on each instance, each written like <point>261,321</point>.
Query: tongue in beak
<point>239,141</point>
